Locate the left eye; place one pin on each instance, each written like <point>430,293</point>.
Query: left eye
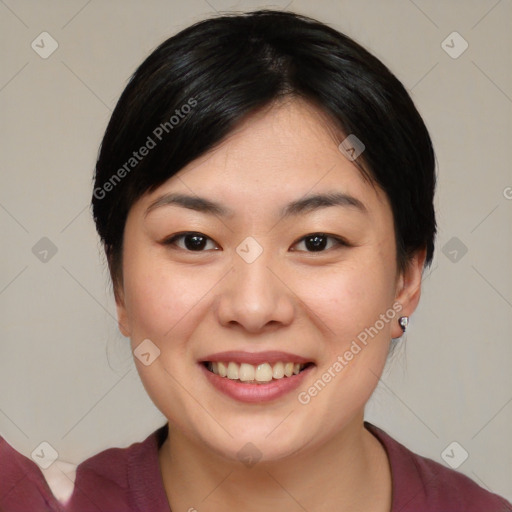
<point>319,242</point>
<point>191,241</point>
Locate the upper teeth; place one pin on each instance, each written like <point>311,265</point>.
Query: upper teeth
<point>264,372</point>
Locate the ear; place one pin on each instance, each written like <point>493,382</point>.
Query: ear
<point>122,314</point>
<point>408,290</point>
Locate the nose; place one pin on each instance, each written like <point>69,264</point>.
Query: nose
<point>255,297</point>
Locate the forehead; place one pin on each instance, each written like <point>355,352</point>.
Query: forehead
<point>275,156</point>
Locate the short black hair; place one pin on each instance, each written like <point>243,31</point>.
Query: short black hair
<point>197,86</point>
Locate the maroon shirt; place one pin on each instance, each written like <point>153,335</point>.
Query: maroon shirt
<point>129,480</point>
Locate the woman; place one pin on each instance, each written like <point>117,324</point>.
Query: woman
<point>264,194</point>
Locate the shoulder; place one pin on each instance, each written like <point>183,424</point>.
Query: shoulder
<point>422,484</point>
<point>122,478</point>
<point>22,484</point>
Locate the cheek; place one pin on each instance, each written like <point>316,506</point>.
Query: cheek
<point>355,344</point>
<point>163,305</point>
<point>157,298</point>
<point>349,298</point>
<point>352,303</point>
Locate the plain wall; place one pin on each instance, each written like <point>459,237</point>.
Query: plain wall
<point>67,375</point>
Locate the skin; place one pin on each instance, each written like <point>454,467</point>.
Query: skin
<point>314,304</point>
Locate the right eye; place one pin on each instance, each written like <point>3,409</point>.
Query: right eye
<point>191,241</point>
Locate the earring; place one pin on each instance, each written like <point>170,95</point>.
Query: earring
<point>404,322</point>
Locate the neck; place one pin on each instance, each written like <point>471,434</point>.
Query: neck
<point>350,472</point>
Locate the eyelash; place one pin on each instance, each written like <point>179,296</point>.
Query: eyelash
<point>339,242</point>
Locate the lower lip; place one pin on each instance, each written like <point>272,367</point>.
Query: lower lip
<point>253,393</point>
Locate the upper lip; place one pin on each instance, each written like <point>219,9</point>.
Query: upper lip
<point>255,358</point>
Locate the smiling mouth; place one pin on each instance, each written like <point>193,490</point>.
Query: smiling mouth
<point>255,374</point>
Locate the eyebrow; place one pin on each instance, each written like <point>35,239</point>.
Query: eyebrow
<point>199,204</point>
<point>299,207</point>
<point>318,201</point>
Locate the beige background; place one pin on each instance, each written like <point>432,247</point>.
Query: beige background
<point>66,374</point>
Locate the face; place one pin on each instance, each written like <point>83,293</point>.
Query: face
<point>268,256</point>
